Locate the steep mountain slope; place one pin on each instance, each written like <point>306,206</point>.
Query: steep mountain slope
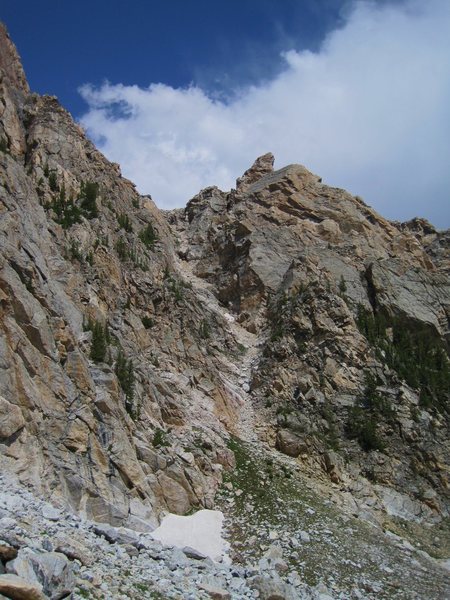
<point>101,347</point>
<point>143,353</point>
<point>354,374</point>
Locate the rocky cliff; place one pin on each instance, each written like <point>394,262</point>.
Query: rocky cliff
<point>353,311</point>
<point>112,396</point>
<point>285,313</point>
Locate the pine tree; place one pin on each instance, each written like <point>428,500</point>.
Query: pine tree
<point>148,236</point>
<point>53,182</point>
<point>88,196</point>
<point>125,374</point>
<point>98,347</point>
<point>121,368</point>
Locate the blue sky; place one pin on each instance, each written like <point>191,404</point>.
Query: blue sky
<point>185,94</point>
<point>216,44</point>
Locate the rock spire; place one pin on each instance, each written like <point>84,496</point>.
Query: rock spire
<point>263,165</point>
<point>10,62</point>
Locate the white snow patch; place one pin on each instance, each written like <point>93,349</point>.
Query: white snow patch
<point>201,531</point>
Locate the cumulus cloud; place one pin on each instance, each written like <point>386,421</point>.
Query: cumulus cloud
<point>370,112</point>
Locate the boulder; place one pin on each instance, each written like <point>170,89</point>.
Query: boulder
<point>216,593</point>
<point>73,549</point>
<point>273,559</point>
<point>333,465</point>
<point>269,588</point>
<point>174,494</point>
<point>49,571</point>
<point>289,443</point>
<point>116,535</point>
<point>7,552</point>
<point>17,588</point>
<point>193,553</point>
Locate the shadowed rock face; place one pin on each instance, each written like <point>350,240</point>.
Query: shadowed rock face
<point>132,341</point>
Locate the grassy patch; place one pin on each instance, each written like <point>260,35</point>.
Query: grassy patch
<point>269,501</point>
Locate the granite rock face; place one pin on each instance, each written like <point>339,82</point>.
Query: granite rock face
<point>105,380</point>
<point>134,342</point>
<point>263,165</point>
<point>353,313</point>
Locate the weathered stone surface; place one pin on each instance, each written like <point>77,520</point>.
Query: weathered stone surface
<point>174,494</point>
<point>262,166</point>
<point>73,549</point>
<point>289,443</point>
<point>70,420</point>
<point>273,559</point>
<point>216,593</point>
<point>51,570</point>
<point>193,553</point>
<point>10,62</point>
<point>412,293</point>
<point>296,261</point>
<point>334,465</point>
<point>11,419</point>
<point>269,589</point>
<point>7,552</point>
<point>240,314</point>
<point>17,588</point>
<point>116,535</point>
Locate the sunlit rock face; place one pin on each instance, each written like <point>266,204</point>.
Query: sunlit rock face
<point>353,314</point>
<point>112,401</point>
<point>133,342</point>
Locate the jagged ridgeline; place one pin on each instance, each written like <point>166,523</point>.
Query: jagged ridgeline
<point>134,342</point>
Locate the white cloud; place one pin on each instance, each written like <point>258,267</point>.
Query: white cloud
<point>369,112</point>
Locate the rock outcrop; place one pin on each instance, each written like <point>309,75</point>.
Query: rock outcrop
<point>10,63</point>
<point>354,313</point>
<point>261,167</point>
<point>111,398</point>
<point>134,343</point>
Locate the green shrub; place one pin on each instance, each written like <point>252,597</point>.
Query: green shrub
<point>53,182</point>
<point>373,400</point>
<point>363,427</point>
<point>88,199</point>
<point>121,249</point>
<point>147,322</point>
<point>4,145</point>
<point>124,222</point>
<point>139,262</point>
<point>125,253</point>
<point>277,332</point>
<point>176,287</point>
<point>66,211</point>
<point>75,251</point>
<point>204,329</point>
<point>372,326</point>
<point>148,236</point>
<point>160,438</point>
<point>363,419</point>
<point>418,358</point>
